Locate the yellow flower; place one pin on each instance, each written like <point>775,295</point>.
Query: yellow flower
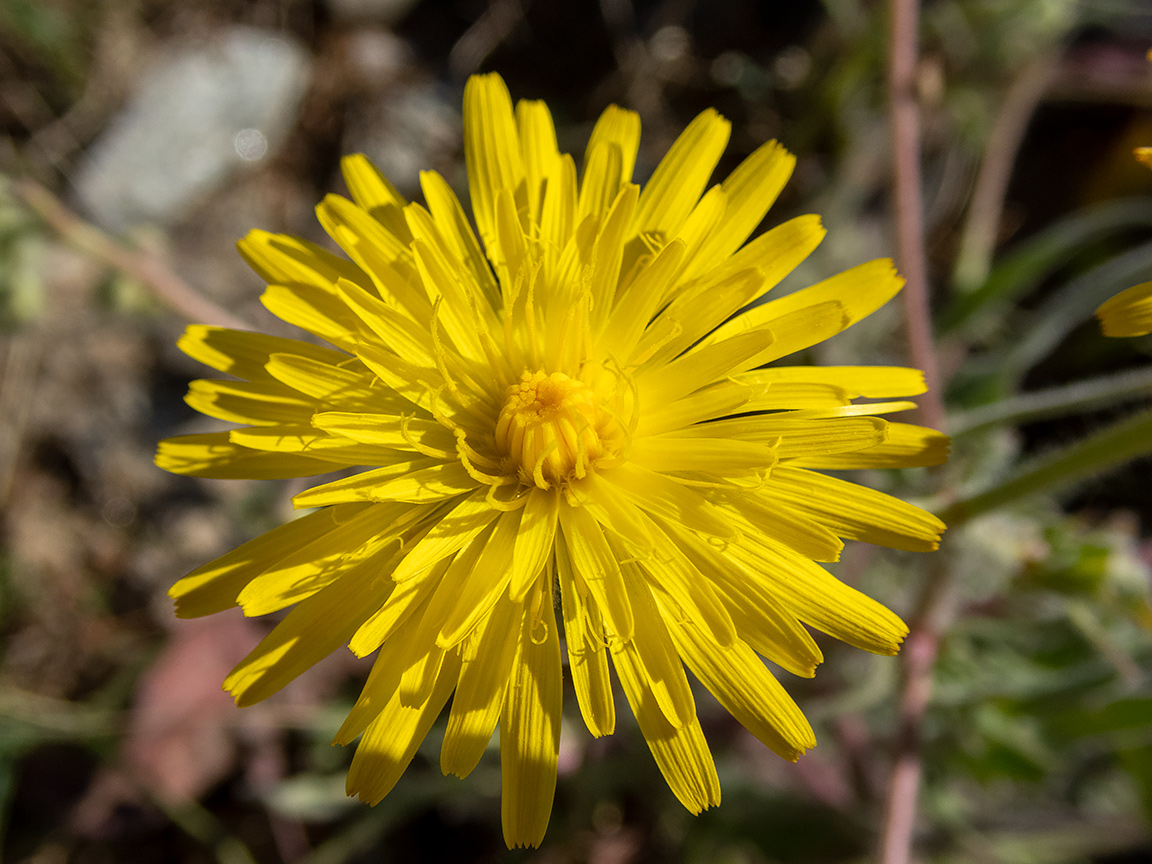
<point>570,413</point>
<point>1129,313</point>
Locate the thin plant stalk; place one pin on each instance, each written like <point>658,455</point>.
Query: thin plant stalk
<point>146,268</point>
<point>920,649</point>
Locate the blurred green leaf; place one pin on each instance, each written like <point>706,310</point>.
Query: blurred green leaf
<point>1121,715</point>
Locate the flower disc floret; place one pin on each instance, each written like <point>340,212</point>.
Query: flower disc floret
<point>554,429</point>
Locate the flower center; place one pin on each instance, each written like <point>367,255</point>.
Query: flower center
<point>552,428</point>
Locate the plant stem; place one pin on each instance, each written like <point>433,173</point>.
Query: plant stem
<point>146,268</point>
<point>982,227</point>
<point>1055,401</point>
<point>919,653</point>
<point>904,116</point>
<point>1118,443</point>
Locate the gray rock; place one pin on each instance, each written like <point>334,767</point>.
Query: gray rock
<point>202,112</point>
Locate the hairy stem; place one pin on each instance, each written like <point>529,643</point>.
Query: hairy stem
<point>919,653</point>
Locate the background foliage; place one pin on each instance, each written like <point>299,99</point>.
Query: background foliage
<point>115,741</point>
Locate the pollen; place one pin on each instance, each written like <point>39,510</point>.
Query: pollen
<point>550,428</point>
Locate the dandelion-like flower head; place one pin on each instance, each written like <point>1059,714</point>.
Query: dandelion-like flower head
<point>570,414</point>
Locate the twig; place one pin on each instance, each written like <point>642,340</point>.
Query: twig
<point>146,268</point>
<point>904,111</point>
<point>920,650</point>
<point>497,23</point>
<point>918,658</point>
<point>982,226</point>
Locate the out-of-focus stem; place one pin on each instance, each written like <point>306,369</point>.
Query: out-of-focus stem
<point>904,111</point>
<point>1056,401</point>
<point>146,268</point>
<point>1114,445</point>
<point>981,228</point>
<point>920,649</point>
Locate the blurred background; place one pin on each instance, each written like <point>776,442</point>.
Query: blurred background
<point>139,139</point>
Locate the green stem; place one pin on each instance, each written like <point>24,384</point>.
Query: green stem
<point>1055,402</point>
<point>1106,449</point>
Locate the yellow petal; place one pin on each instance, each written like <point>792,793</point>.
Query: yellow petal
<point>481,586</point>
<point>350,384</point>
<point>681,754</point>
<point>216,586</point>
<point>665,497</point>
<point>697,312</point>
<point>379,254</point>
<point>682,174</point>
<point>530,726</point>
<point>455,530</point>
<point>479,699</point>
<point>382,684</point>
<point>618,129</point>
<point>624,328</point>
<point>372,191</point>
<point>246,354</point>
<point>682,588</point>
<point>601,180</point>
<point>456,230</point>
<point>410,597</point>
<point>596,566</point>
<point>462,308</point>
<point>853,511</point>
<point>906,446</point>
<point>359,487</point>
<point>668,382</point>
<point>304,571</point>
<point>388,430</point>
<point>316,627</point>
<point>860,291</point>
<point>541,155</point>
<point>746,689</point>
<point>791,528</point>
<point>305,440</point>
<point>345,221</point>
<point>719,293</point>
<point>751,190</point>
<point>1129,313</point>
<point>284,260</point>
<point>759,617</point>
<point>718,400</point>
<point>534,540</point>
<point>792,437</point>
<point>212,455</point>
<point>423,659</point>
<point>390,741</point>
<point>876,382</point>
<point>654,654</point>
<point>816,597</point>
<point>587,650</point>
<point>605,270</point>
<point>255,402</point>
<point>396,330</point>
<point>491,152</point>
<point>792,332</point>
<point>793,395</point>
<point>317,310</point>
<point>721,456</point>
<point>559,216</point>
